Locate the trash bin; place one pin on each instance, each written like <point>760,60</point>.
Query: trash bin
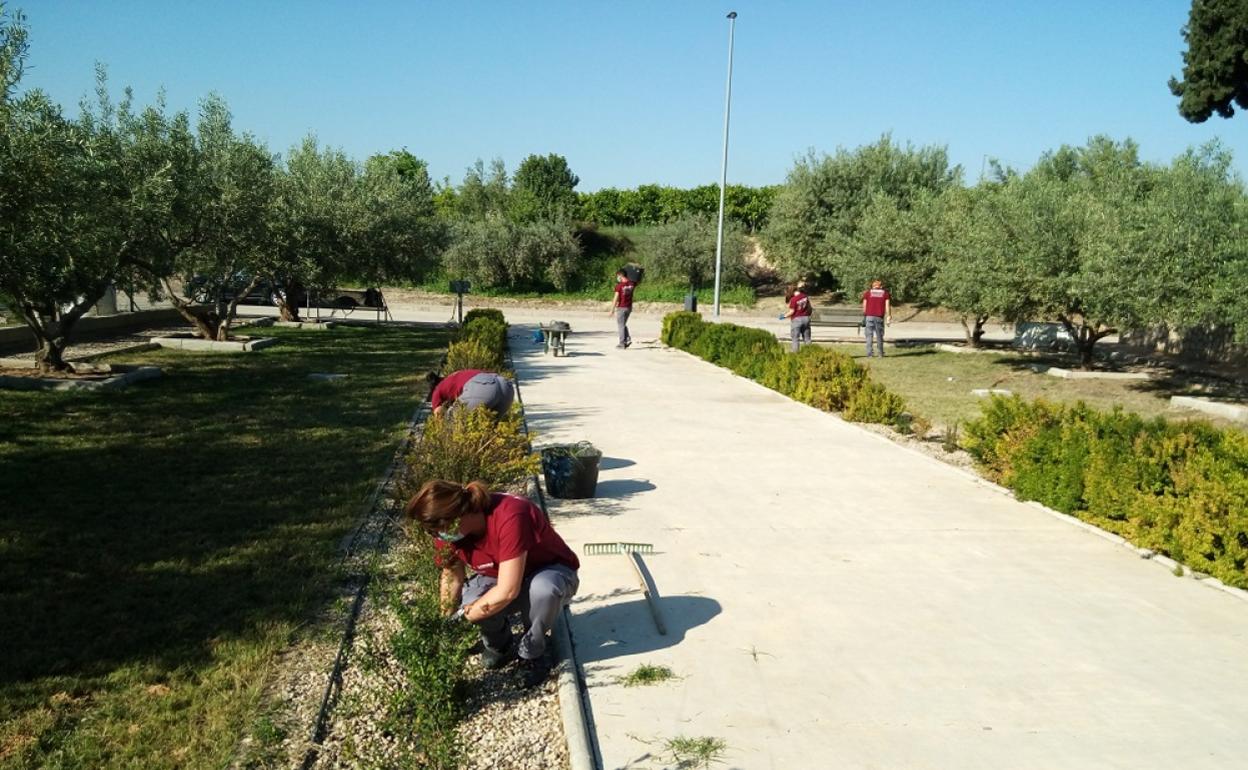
<point>571,470</point>
<point>691,302</point>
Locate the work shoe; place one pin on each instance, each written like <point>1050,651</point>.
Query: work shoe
<point>534,672</point>
<point>494,659</point>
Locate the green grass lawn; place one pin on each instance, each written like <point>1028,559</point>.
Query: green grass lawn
<point>938,385</point>
<point>160,545</point>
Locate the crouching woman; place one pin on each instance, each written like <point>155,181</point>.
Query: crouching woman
<point>520,565</point>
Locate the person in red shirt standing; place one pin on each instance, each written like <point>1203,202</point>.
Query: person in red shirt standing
<point>471,388</point>
<point>622,307</point>
<point>520,565</point>
<point>799,314</point>
<point>876,304</point>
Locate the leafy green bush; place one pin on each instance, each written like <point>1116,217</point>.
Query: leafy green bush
<point>480,343</point>
<point>470,445</point>
<point>492,314</point>
<point>872,402</point>
<point>827,380</point>
<point>1181,489</point>
<point>472,354</point>
<point>681,328</point>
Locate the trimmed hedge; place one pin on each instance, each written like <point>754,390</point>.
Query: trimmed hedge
<point>1179,489</point>
<point>817,376</point>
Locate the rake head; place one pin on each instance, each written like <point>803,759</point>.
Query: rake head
<point>594,549</point>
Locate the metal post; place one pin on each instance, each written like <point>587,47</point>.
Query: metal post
<point>723,172</point>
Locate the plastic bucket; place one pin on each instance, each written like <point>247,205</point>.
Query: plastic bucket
<point>571,470</point>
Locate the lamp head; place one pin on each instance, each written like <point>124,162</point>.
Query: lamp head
<point>732,14</point>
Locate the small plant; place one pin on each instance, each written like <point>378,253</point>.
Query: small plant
<point>921,426</point>
<point>904,423</point>
<point>647,674</point>
<point>949,437</point>
<point>696,752</point>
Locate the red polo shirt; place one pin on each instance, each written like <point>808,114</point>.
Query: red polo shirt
<point>451,386</point>
<point>624,293</point>
<point>875,299</point>
<point>799,303</point>
<point>513,526</point>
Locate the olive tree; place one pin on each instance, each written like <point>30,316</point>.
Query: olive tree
<point>684,250</point>
<point>82,202</point>
<point>222,242</point>
<point>818,210</point>
<point>495,252</point>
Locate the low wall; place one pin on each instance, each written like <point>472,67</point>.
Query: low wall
<point>19,339</point>
<point>1213,344</point>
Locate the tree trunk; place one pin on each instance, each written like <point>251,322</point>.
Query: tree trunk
<point>978,334</point>
<point>287,311</point>
<point>50,357</point>
<point>53,329</point>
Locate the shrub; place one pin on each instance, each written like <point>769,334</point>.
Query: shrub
<point>1178,489</point>
<point>470,445</point>
<point>827,380</point>
<point>874,403</point>
<point>471,354</point>
<point>681,329</point>
<point>492,314</point>
<point>432,655</point>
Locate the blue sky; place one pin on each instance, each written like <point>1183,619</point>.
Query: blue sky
<point>632,92</point>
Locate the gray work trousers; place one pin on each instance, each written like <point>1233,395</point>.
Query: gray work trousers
<point>874,326</point>
<point>543,595</point>
<point>799,331</point>
<point>493,391</point>
<point>621,322</point>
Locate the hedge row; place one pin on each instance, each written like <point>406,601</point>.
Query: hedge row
<point>1179,489</point>
<point>468,445</point>
<point>817,376</point>
<point>480,343</point>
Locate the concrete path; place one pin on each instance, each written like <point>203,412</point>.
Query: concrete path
<point>836,601</point>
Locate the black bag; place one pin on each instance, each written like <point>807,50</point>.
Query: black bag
<point>633,273</point>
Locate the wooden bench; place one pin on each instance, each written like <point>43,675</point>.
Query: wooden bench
<point>556,336</point>
<point>836,316</point>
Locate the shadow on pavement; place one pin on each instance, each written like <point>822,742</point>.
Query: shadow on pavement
<point>627,628</point>
<point>620,488</point>
<point>612,463</point>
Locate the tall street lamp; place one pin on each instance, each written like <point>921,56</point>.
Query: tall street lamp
<point>723,171</point>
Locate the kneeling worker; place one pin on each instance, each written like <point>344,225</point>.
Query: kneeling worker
<point>471,388</point>
<point>521,564</point>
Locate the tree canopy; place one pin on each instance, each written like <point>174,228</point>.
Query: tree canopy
<point>1215,65</point>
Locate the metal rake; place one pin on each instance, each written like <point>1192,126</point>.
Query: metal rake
<point>594,549</point>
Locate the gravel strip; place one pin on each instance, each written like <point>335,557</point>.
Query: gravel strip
<point>505,726</point>
<point>87,348</point>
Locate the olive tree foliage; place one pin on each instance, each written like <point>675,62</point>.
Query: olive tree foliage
<point>314,196</point>
<point>495,253</point>
<point>972,275</point>
<point>81,202</point>
<point>684,250</point>
<point>544,189</point>
<point>818,210</point>
<point>1215,64</point>
<point>894,243</point>
<point>223,242</point>
<point>394,232</point>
